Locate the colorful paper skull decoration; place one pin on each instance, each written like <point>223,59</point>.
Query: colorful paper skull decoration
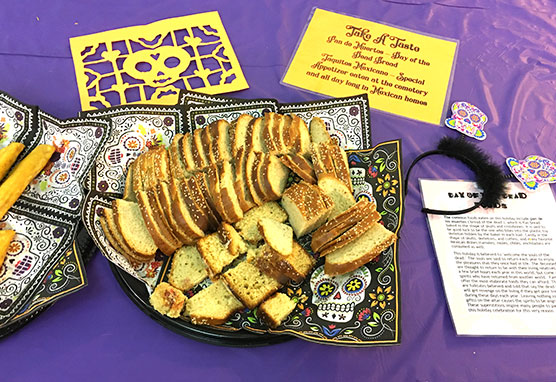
<point>533,171</point>
<point>361,188</point>
<point>468,119</point>
<point>336,297</point>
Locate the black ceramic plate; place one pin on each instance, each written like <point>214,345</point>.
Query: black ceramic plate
<point>137,292</point>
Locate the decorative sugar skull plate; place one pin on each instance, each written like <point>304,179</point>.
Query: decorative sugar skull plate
<point>533,171</point>
<point>151,63</point>
<point>468,119</point>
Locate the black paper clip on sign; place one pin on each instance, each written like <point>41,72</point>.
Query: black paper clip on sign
<point>489,177</point>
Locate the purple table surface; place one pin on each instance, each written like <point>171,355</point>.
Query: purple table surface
<point>506,66</point>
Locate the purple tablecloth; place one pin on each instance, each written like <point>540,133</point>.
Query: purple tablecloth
<point>506,66</point>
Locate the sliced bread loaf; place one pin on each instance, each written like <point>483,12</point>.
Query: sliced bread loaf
<point>168,300</point>
<point>249,284</point>
<point>278,236</point>
<point>132,228</point>
<point>307,207</point>
<point>213,305</point>
<point>359,251</point>
<point>248,226</point>
<point>276,309</point>
<point>188,268</point>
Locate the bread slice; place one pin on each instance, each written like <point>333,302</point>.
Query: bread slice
<point>254,139</point>
<point>137,176</point>
<point>238,133</point>
<point>198,150</point>
<point>221,145</point>
<point>128,189</point>
<point>341,223</point>
<point>228,195</point>
<point>307,207</point>
<point>273,177</point>
<point>276,309</point>
<point>201,181</point>
<point>231,239</point>
<point>318,131</point>
<point>302,139</point>
<point>177,162</point>
<point>323,163</point>
<point>340,163</point>
<point>194,203</point>
<point>215,253</point>
<point>186,147</point>
<point>207,143</point>
<point>168,300</point>
<point>276,235</point>
<point>154,167</point>
<point>212,177</point>
<point>197,195</point>
<point>188,268</point>
<point>213,305</point>
<point>295,266</point>
<point>359,251</point>
<point>132,227</point>
<point>180,210</point>
<point>339,193</point>
<point>252,166</point>
<point>300,166</point>
<point>249,284</point>
<point>156,223</point>
<point>182,232</point>
<point>248,226</point>
<point>240,183</point>
<point>270,126</point>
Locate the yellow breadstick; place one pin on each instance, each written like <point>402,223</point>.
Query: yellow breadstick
<point>22,175</point>
<point>8,155</point>
<point>6,238</point>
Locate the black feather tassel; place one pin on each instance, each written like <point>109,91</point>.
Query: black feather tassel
<point>490,177</point>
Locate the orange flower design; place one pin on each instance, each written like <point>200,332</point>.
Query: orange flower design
<point>387,185</point>
<point>381,296</point>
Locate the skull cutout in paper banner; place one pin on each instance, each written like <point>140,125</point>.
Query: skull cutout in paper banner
<point>336,297</point>
<point>361,188</point>
<point>533,171</point>
<point>468,119</point>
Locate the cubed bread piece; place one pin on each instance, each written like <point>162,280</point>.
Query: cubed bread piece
<point>307,207</point>
<point>187,147</point>
<point>231,239</point>
<point>278,236</point>
<point>341,223</point>
<point>359,251</point>
<point>273,177</point>
<point>188,268</point>
<point>318,131</point>
<point>295,266</point>
<point>156,223</point>
<point>167,300</point>
<point>213,305</point>
<point>182,232</point>
<point>249,284</point>
<point>238,132</point>
<point>132,228</point>
<point>339,193</point>
<point>276,309</point>
<point>215,253</point>
<point>300,166</point>
<point>248,228</point>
